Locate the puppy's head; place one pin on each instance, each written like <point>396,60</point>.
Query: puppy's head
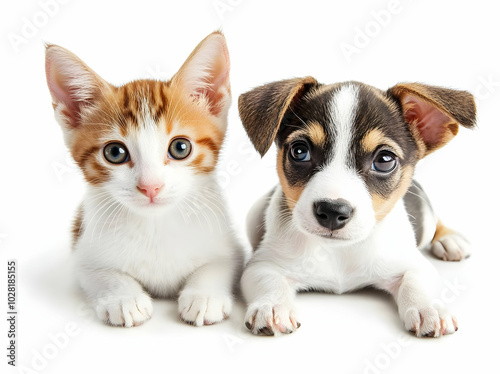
<point>347,151</point>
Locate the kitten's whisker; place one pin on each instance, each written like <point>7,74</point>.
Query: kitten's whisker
<point>196,203</point>
<point>111,215</point>
<point>216,216</point>
<point>94,211</point>
<point>96,196</point>
<point>118,214</point>
<point>217,201</point>
<point>180,208</point>
<point>102,214</point>
<point>192,210</point>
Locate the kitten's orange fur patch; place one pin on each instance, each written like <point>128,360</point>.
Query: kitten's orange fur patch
<point>77,225</point>
<point>122,110</point>
<point>205,133</point>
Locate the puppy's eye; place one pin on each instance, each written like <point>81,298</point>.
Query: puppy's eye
<point>384,162</point>
<point>179,148</point>
<point>299,151</point>
<point>116,153</point>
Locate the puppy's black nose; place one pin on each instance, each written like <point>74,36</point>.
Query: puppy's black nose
<point>332,214</point>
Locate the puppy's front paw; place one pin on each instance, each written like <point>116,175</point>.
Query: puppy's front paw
<point>126,311</point>
<point>429,322</point>
<point>267,319</point>
<point>451,247</point>
<point>199,309</point>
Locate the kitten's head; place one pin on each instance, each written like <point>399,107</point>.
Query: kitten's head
<point>147,143</point>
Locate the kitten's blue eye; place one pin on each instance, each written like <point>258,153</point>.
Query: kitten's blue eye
<point>384,162</point>
<point>116,153</point>
<point>179,148</point>
<point>299,151</point>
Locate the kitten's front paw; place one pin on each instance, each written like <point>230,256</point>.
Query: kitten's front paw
<point>451,247</point>
<point>198,309</point>
<point>267,319</point>
<point>126,311</point>
<point>429,322</point>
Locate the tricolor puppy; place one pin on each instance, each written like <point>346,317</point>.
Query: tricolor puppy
<point>347,213</point>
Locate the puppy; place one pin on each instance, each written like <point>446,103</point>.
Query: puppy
<point>347,213</point>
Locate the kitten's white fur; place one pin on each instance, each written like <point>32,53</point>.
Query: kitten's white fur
<point>184,243</point>
<point>129,248</point>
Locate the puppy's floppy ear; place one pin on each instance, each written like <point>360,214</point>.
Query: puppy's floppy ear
<point>263,108</point>
<point>434,113</point>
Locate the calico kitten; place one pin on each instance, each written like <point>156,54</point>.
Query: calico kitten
<point>153,221</point>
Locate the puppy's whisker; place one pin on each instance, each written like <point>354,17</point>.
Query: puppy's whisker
<point>296,115</point>
<point>420,197</point>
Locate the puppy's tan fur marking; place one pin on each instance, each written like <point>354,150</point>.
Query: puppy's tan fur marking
<point>441,230</point>
<point>314,132</point>
<point>381,205</point>
<point>292,194</point>
<point>375,138</point>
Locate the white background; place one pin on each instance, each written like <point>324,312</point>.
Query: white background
<point>448,43</point>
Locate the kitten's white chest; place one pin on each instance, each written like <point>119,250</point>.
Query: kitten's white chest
<point>159,252</point>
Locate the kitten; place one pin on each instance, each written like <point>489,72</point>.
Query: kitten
<point>153,221</point>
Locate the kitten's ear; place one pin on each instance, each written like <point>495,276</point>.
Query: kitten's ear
<point>205,75</point>
<point>434,113</point>
<point>74,87</point>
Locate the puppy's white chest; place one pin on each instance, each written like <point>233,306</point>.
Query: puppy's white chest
<point>382,255</point>
<point>334,270</point>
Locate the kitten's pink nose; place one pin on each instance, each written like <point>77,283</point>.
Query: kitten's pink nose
<point>150,190</point>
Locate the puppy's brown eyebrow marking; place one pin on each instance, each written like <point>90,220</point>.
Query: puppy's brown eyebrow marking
<point>314,131</point>
<point>376,137</point>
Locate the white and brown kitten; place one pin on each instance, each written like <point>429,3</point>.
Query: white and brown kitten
<point>153,221</point>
